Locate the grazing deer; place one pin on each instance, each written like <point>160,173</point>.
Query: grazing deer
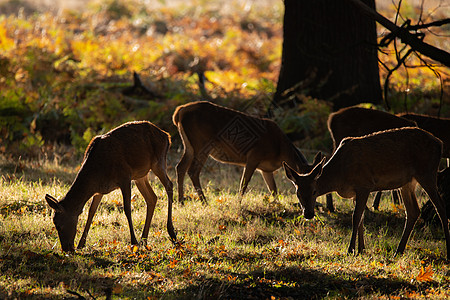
<point>112,161</point>
<point>357,121</point>
<point>386,160</point>
<point>233,137</point>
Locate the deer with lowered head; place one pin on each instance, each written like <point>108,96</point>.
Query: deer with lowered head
<point>232,137</point>
<point>112,161</point>
<point>386,160</point>
<point>358,121</point>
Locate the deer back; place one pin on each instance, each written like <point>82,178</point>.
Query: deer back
<point>357,121</point>
<point>439,127</point>
<point>129,150</point>
<point>206,123</point>
<point>125,153</point>
<point>232,136</point>
<point>383,160</point>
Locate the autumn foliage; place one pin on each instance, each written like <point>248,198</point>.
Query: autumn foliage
<point>62,77</point>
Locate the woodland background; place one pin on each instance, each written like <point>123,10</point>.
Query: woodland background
<point>66,73</point>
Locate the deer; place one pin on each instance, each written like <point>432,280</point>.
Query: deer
<point>386,160</point>
<point>357,121</point>
<point>113,160</point>
<point>232,137</point>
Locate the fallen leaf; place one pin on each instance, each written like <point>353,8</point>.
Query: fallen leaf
<point>425,275</point>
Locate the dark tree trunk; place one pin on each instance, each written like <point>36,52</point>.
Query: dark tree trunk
<point>329,52</point>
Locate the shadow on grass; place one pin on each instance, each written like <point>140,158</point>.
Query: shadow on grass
<point>294,282</point>
<point>53,270</point>
<point>86,276</point>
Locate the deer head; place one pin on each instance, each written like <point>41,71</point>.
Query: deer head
<point>65,223</point>
<point>306,187</point>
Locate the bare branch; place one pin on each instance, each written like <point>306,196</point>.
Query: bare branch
<point>437,23</point>
<point>406,37</point>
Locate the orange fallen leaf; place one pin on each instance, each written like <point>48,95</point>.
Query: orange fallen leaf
<point>173,263</point>
<point>425,275</point>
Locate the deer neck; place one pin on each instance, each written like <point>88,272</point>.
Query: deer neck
<point>326,183</point>
<point>77,196</point>
<point>297,160</point>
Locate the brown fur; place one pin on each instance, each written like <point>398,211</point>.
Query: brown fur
<point>439,127</point>
<point>112,161</point>
<point>233,137</point>
<point>357,121</point>
<point>396,158</point>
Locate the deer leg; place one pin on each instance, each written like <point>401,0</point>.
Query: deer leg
<point>439,204</point>
<point>94,205</point>
<point>246,176</point>
<point>270,182</point>
<point>194,174</point>
<point>161,173</point>
<point>181,169</point>
<point>126,194</point>
<point>357,221</point>
<point>330,205</point>
<point>150,198</point>
<point>412,214</point>
<point>361,245</point>
<point>376,200</point>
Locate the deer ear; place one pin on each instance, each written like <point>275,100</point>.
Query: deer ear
<point>317,171</point>
<point>53,203</point>
<point>318,158</point>
<point>290,173</point>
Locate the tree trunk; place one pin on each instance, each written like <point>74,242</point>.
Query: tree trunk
<point>329,52</point>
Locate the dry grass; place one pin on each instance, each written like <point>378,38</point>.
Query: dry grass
<point>262,249</point>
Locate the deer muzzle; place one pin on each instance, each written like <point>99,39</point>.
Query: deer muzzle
<point>308,214</point>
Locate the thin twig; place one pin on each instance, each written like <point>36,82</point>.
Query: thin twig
<point>386,81</point>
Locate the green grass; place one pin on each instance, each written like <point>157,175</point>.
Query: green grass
<point>262,249</point>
